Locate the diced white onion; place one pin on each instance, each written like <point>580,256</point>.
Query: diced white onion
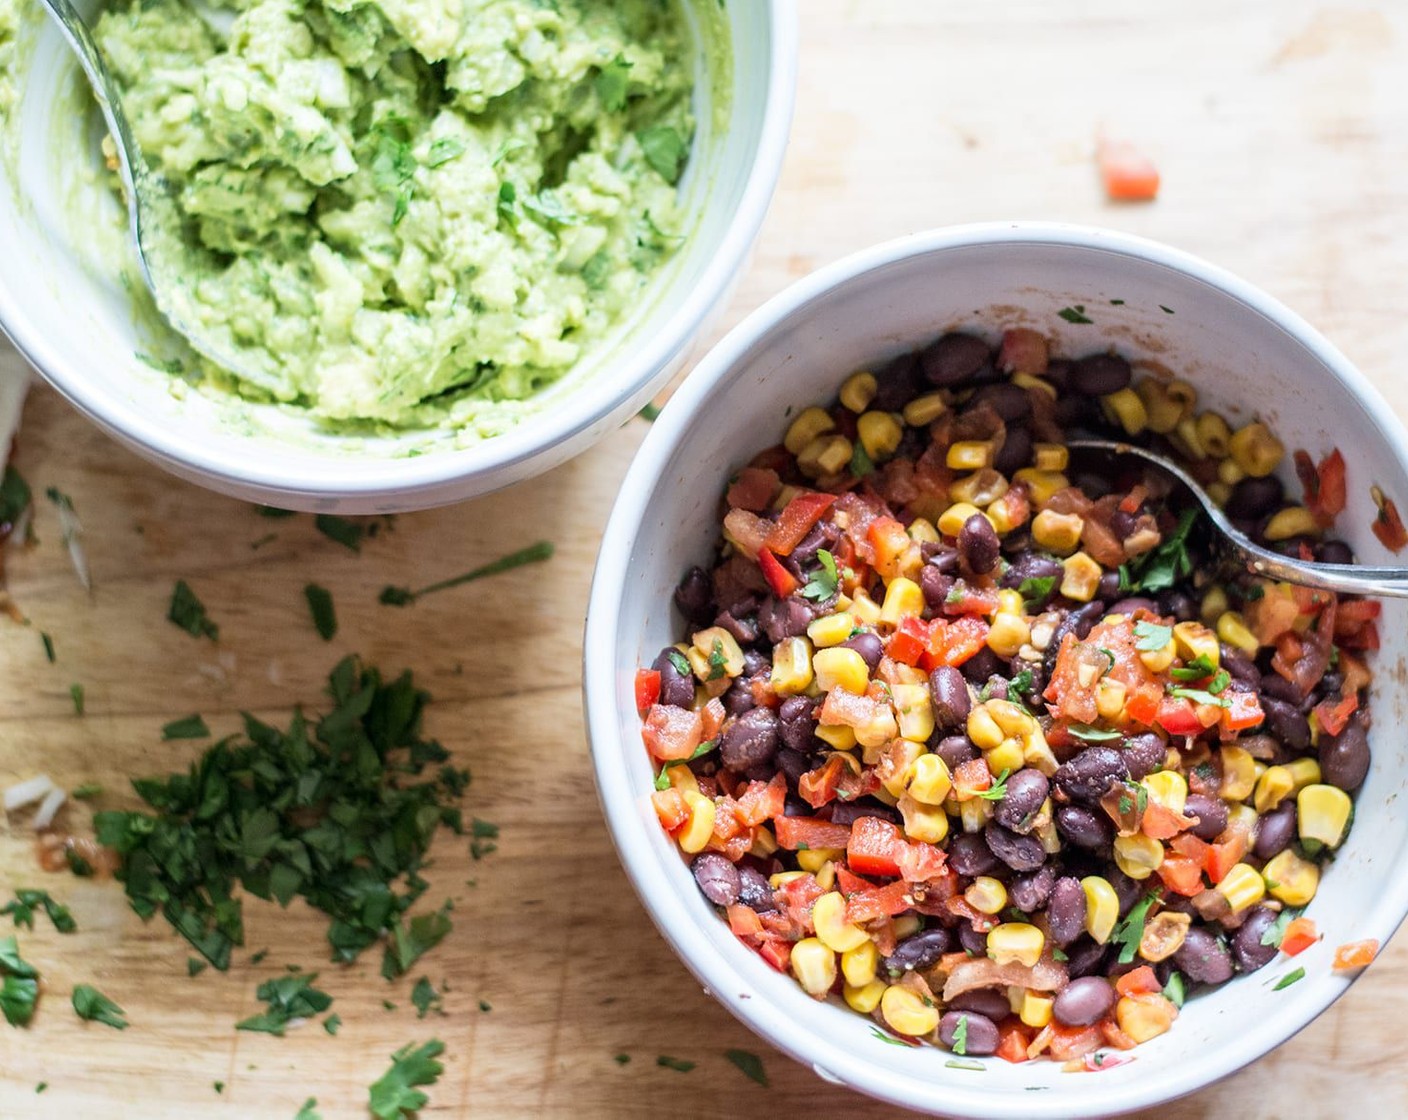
<point>49,807</point>
<point>27,792</point>
<point>73,533</point>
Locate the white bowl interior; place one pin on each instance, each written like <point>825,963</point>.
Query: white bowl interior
<point>63,301</point>
<point>1245,354</point>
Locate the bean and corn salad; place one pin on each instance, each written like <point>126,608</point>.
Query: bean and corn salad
<point>986,743</point>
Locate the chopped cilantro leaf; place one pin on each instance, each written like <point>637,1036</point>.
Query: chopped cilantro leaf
<point>1162,567</point>
<point>195,966</point>
<point>333,1023</point>
<point>1289,979</point>
<point>188,612</point>
<point>679,661</point>
<point>1152,636</point>
<point>1019,686</point>
<point>426,999</point>
<point>1036,590</point>
<point>92,1005</point>
<point>1175,991</point>
<point>677,1064</point>
<point>611,84</point>
<point>1130,931</point>
<point>321,608</point>
<point>718,660</point>
<point>288,997</point>
<point>1074,315</point>
<point>87,791</point>
<point>192,727</point>
<point>1196,670</point>
<point>395,1094</point>
<point>750,1064</point>
<point>27,901</point>
<point>15,495</point>
<point>1092,734</point>
<point>48,647</point>
<point>998,790</point>
<point>75,692</point>
<point>860,461</point>
<point>309,1111</point>
<point>485,1006</point>
<point>622,1059</point>
<point>825,581</point>
<point>1276,931</point>
<point>1200,696</point>
<point>960,1036</point>
<point>345,532</point>
<point>442,151</point>
<point>533,554</point>
<point>664,150</point>
<point>411,940</point>
<point>650,413</point>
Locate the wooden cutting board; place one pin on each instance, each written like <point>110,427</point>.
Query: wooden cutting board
<point>1281,127</point>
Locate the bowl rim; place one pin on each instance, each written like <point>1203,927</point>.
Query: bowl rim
<point>358,477</point>
<point>631,831</point>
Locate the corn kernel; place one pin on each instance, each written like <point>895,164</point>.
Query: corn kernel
<point>1157,660</point>
<point>825,455</point>
<point>1213,434</point>
<point>879,433</point>
<point>1110,696</point>
<point>1322,814</point>
<point>981,488</point>
<point>1031,381</point>
<point>916,715</point>
<point>814,859</point>
<point>1256,450</point>
<point>925,409</point>
<point>1194,640</point>
<point>826,875</point>
<point>1232,629</point>
<point>895,775</point>
<point>1041,484</point>
<point>1162,410</point>
<point>1213,606</point>
<point>1304,772</point>
<point>1164,935</point>
<point>1242,886</point>
<point>906,1013</point>
<point>1010,602</point>
<point>1219,492</point>
<point>865,998</point>
<point>764,842</point>
<point>1138,856</point>
<point>1081,578</point>
<point>1229,473</point>
<point>930,781</point>
<point>809,424</point>
<point>1293,521</point>
<point>921,529</point>
<point>1102,908</point>
<point>814,966</point>
<point>1050,456</point>
<point>859,964</point>
<point>1036,1009</point>
<point>1168,788</point>
<point>1290,879</point>
<point>1012,718</point>
<point>927,823</point>
<point>791,666</point>
<point>832,929</point>
<point>1126,407</point>
<point>840,667</point>
<point>951,521</point>
<point>903,599</point>
<point>907,925</point>
<point>986,895</point>
<point>682,778</point>
<point>839,736</point>
<point>1145,1016</point>
<point>1018,942</point>
<point>1274,786</point>
<point>1185,438</point>
<point>865,610</point>
<point>1238,774</point>
<point>1057,532</point>
<point>715,653</point>
<point>831,629</point>
<point>858,390</point>
<point>1008,634</point>
<point>969,455</point>
<point>1184,393</point>
<point>1005,517</point>
<point>879,729</point>
<point>699,825</point>
<point>1007,755</point>
<point>974,814</point>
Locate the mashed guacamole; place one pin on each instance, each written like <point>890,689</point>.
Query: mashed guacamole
<point>410,209</point>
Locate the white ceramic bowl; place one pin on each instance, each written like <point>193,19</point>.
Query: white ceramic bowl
<point>1246,353</point>
<point>63,308</point>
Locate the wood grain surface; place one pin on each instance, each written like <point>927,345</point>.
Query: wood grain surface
<point>1281,129</point>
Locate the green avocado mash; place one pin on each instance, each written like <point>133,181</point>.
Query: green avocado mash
<point>404,210</point>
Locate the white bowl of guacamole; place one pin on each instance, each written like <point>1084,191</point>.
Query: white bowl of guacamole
<point>452,241</point>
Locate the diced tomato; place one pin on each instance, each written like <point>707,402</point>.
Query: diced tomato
<point>1127,174</point>
<point>847,709</point>
<point>1366,637</point>
<point>1388,527</point>
<point>889,541</point>
<point>1069,1043</point>
<point>1355,672</point>
<point>818,787</point>
<point>1015,505</point>
<point>1186,844</point>
<point>712,716</point>
<point>795,899</point>
<point>1333,715</point>
<point>874,847</point>
<point>670,808</point>
<point>672,733</point>
<point>762,801</point>
<point>796,521</point>
<point>1324,486</point>
<point>1300,935</point>
<point>1138,981</point>
<point>1142,706</point>
<point>878,902</point>
<point>1355,954</point>
<point>753,489</point>
<point>647,689</point>
<point>747,530</point>
<point>726,823</point>
<point>910,641</point>
<point>922,863</point>
<point>1244,711</point>
<point>1116,1037</point>
<point>777,953</point>
<point>971,778</point>
<point>1181,875</point>
<point>1179,716</point>
<point>1081,665</point>
<point>952,643</point>
<point>1223,856</point>
<point>969,599</point>
<point>1355,624</point>
<point>849,883</point>
<point>1162,823</point>
<point>1303,659</point>
<point>1274,613</point>
<point>1023,350</point>
<point>743,921</point>
<point>1012,1043</point>
<point>782,582</point>
<point>798,833</point>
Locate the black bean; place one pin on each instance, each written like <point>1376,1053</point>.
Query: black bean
<point>1143,754</point>
<point>754,890</point>
<point>1252,498</point>
<point>1286,722</point>
<point>1239,667</point>
<point>1247,947</point>
<point>1078,622</point>
<point>1065,911</point>
<point>980,1036</point>
<point>1134,603</point>
<point>749,740</point>
<point>936,586</point>
<point>1015,453</point>
<point>953,749</point>
<point>1084,828</point>
<point>1031,565</point>
<point>848,812</point>
<point>978,544</point>
<point>821,535</point>
<point>984,1001</point>
<point>1089,775</point>
<point>1109,586</point>
<point>950,701</point>
<point>1178,603</point>
<point>794,806</point>
<point>1020,853</point>
<point>982,665</point>
<point>1128,891</point>
<point>717,878</point>
<point>969,854</point>
<point>744,629</point>
<point>676,688</point>
<point>1026,791</point>
<point>972,942</point>
<point>954,358</point>
<point>1007,400</point>
<point>739,698</point>
<point>793,765</point>
<point>1100,374</point>
<point>1030,891</point>
<point>1075,411</point>
<point>1275,830</point>
<point>1084,1002</point>
<point>756,664</point>
<point>1344,758</point>
<point>1211,813</point>
<point>1085,958</point>
<point>868,645</point>
<point>1122,525</point>
<point>920,952</point>
<point>897,384</point>
<point>1277,687</point>
<point>695,596</point>
<point>1334,552</point>
<point>797,723</point>
<point>1203,958</point>
<point>787,618</point>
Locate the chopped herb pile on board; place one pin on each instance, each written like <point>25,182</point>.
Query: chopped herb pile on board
<point>339,810</point>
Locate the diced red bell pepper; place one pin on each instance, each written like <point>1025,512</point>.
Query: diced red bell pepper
<point>1181,875</point>
<point>1012,1043</point>
<point>1244,711</point>
<point>1333,715</point>
<point>1388,527</point>
<point>796,521</point>
<point>849,883</point>
<point>1138,982</point>
<point>818,787</point>
<point>1324,486</point>
<point>1300,935</point>
<point>1142,705</point>
<point>873,848</point>
<point>1224,856</point>
<point>890,542</point>
<point>777,953</point>
<point>782,582</point>
<point>910,641</point>
<point>878,902</point>
<point>762,801</point>
<point>672,733</point>
<point>967,599</point>
<point>1179,716</point>
<point>954,642</point>
<point>743,921</point>
<point>753,489</point>
<point>801,833</point>
<point>647,689</point>
<point>795,899</point>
